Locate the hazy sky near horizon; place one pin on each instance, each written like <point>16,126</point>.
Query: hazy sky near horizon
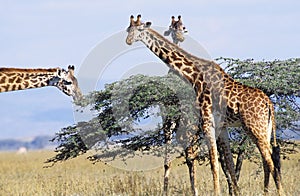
<point>58,33</point>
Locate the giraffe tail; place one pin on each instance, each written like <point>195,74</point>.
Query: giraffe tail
<point>275,147</point>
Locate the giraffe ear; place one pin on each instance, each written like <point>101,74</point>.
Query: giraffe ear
<point>148,24</point>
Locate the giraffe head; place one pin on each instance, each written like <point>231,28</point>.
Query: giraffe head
<point>176,29</point>
<point>67,83</point>
<point>136,29</point>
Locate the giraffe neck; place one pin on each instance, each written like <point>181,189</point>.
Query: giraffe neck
<point>12,79</point>
<point>194,69</point>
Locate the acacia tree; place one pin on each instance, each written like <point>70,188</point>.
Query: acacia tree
<point>117,112</point>
<point>119,106</point>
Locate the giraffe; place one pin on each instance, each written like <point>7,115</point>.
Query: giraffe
<point>176,30</point>
<point>221,101</point>
<point>12,79</point>
<point>190,149</point>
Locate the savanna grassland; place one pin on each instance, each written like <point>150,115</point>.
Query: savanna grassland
<point>23,174</point>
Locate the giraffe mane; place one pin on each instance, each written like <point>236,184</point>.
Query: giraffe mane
<point>38,70</point>
<point>169,42</point>
<point>189,55</point>
<point>176,46</point>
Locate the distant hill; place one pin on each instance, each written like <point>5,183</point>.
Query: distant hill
<point>43,142</point>
<point>39,142</point>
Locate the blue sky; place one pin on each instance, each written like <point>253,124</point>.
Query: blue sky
<point>58,33</point>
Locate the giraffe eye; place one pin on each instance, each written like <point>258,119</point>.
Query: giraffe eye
<point>67,83</point>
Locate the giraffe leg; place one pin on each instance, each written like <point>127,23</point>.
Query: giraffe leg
<point>265,150</point>
<point>190,161</point>
<point>224,167</point>
<point>167,162</point>
<point>271,169</point>
<point>268,168</point>
<point>209,132</point>
<point>224,145</point>
<point>208,124</point>
<point>257,122</point>
<point>213,155</point>
<point>266,177</point>
<point>167,167</point>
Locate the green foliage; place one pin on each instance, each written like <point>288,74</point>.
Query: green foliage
<point>123,104</point>
<point>71,144</point>
<point>280,78</point>
<point>119,107</point>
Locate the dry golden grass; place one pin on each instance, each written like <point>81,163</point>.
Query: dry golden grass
<point>25,175</point>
